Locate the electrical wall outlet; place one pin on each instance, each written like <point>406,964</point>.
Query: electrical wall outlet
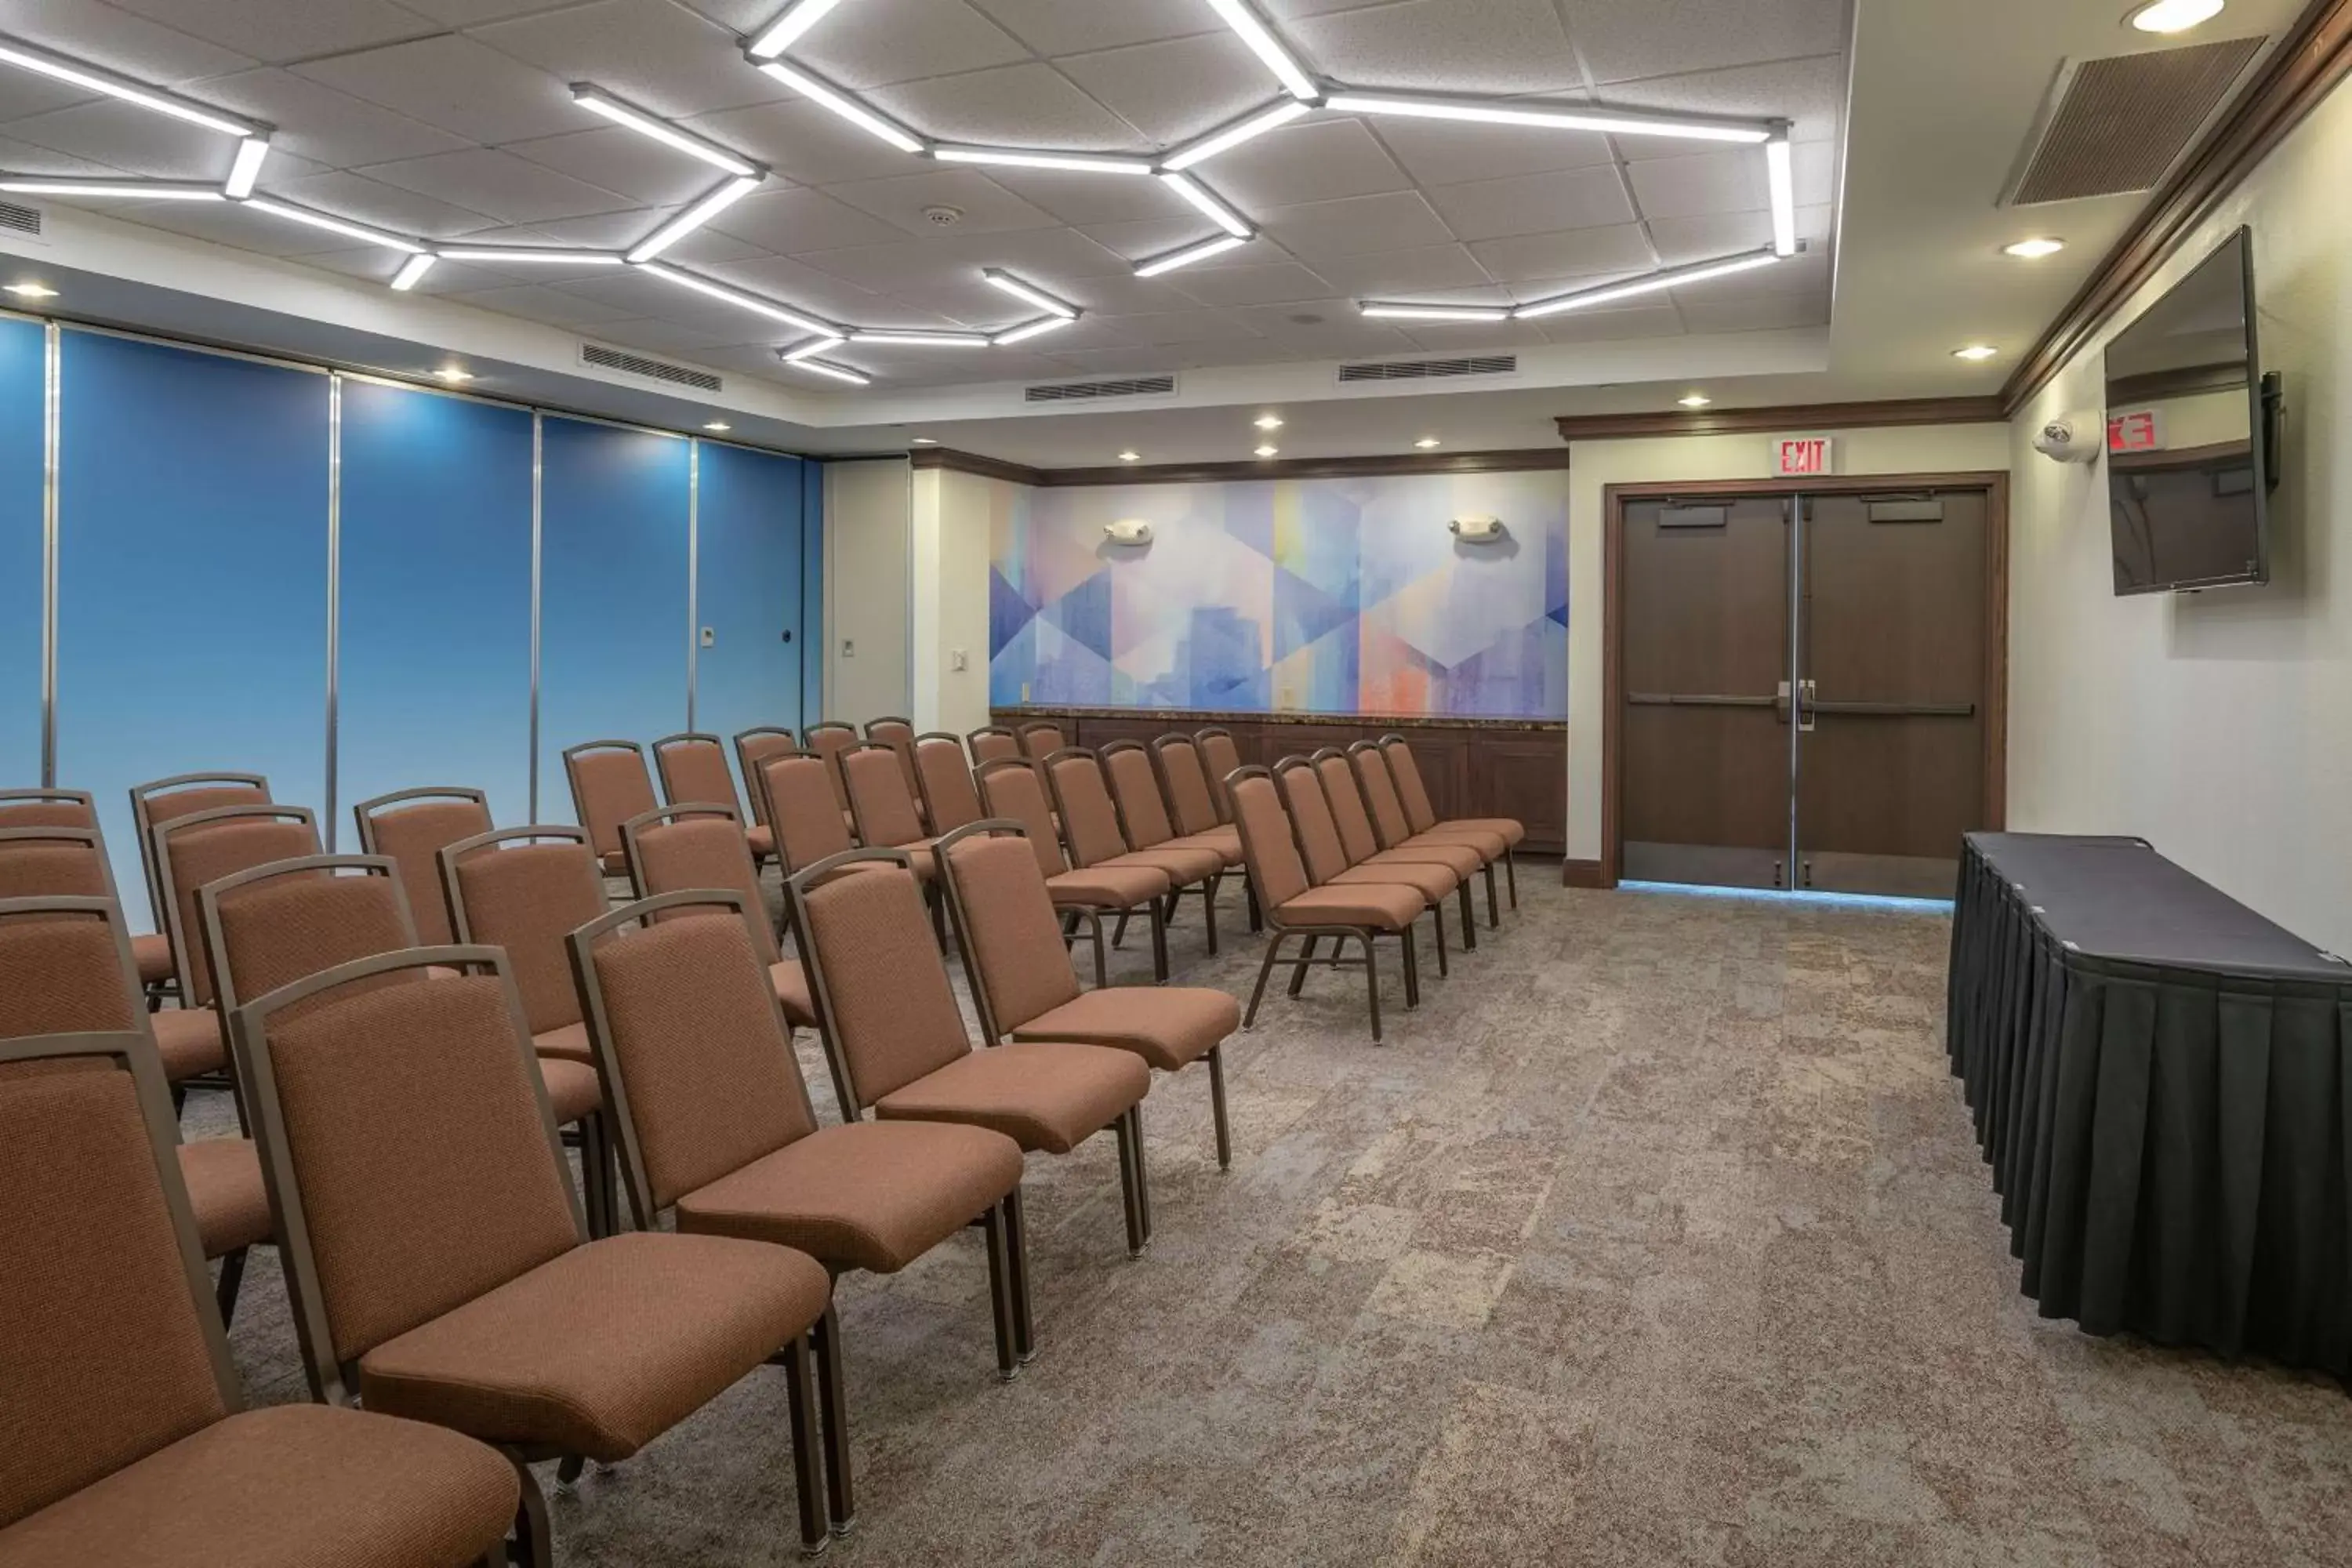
<point>849,647</point>
<point>709,636</point>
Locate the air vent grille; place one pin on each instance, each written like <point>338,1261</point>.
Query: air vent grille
<point>1430,369</point>
<point>639,364</point>
<point>2114,125</point>
<point>1130,386</point>
<point>20,219</point>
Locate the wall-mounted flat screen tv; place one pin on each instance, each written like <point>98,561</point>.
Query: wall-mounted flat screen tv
<point>2187,491</point>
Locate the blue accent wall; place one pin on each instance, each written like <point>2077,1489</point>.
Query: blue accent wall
<point>809,633</point>
<point>433,668</point>
<point>22,350</point>
<point>748,593</point>
<point>192,574</point>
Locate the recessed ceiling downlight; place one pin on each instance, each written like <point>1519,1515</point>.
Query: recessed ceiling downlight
<point>31,290</point>
<point>1267,449</point>
<point>1974,352</point>
<point>2034,250</point>
<point>2174,16</point>
<point>1694,400</point>
<point>1426,442</point>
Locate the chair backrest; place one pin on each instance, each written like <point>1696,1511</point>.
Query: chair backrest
<point>753,748</point>
<point>206,846</point>
<point>524,890</point>
<point>801,810</point>
<point>273,924</point>
<point>1135,787</point>
<point>69,861</point>
<point>1015,788</point>
<point>695,1053</point>
<point>878,800</point>
<point>1220,754</point>
<point>1412,791</point>
<point>1347,801</point>
<point>161,800</point>
<point>949,801</point>
<point>47,808</point>
<point>694,771</point>
<point>113,1348</point>
<point>1372,766</point>
<point>884,1006</point>
<point>408,1145</point>
<point>66,968</point>
<point>1082,799</point>
<point>609,786</point>
<point>411,826</point>
<point>1274,868</point>
<point>898,734</point>
<point>1191,800</point>
<point>992,742</point>
<point>675,848</point>
<point>1007,927</point>
<point>829,740</point>
<point>1040,738</point>
<point>1318,835</point>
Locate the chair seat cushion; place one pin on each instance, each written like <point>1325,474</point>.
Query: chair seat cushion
<point>1184,865</point>
<point>761,838</point>
<point>1167,1026</point>
<point>869,1195</point>
<point>790,983</point>
<point>189,1040</point>
<point>1225,843</point>
<point>1050,1095</point>
<point>605,1347</point>
<point>1464,856</point>
<point>1491,844</point>
<point>1106,887</point>
<point>294,1486</point>
<point>614,863</point>
<point>1381,907</point>
<point>1510,828</point>
<point>225,1190</point>
<point>1434,881</point>
<point>569,1042</point>
<point>152,955</point>
<point>574,1090</point>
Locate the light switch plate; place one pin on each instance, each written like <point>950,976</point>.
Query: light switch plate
<point>959,659</point>
<point>849,647</point>
<point>709,636</point>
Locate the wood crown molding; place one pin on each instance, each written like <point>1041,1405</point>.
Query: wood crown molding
<point>1786,417</point>
<point>1508,461</point>
<point>2305,67</point>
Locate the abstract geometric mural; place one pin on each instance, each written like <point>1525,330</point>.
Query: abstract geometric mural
<point>1293,595</point>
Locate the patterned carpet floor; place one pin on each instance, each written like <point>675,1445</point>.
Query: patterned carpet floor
<point>1656,1236</point>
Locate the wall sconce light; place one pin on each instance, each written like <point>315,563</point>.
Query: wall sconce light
<point>1129,531</point>
<point>1476,530</point>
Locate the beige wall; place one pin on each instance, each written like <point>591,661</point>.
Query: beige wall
<point>953,517</point>
<point>1595,465</point>
<point>2217,725</point>
<point>866,565</point>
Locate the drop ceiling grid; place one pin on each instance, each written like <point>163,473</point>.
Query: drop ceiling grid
<point>451,119</point>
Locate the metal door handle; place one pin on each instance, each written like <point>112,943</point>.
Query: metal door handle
<point>1806,694</point>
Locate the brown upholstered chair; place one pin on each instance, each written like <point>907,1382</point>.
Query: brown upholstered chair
<point>1422,818</point>
<point>436,1255</point>
<point>77,808</point>
<point>64,969</point>
<point>753,749</point>
<point>694,771</point>
<point>1361,913</point>
<point>808,827</point>
<point>160,800</point>
<point>1323,852</point>
<point>881,807</point>
<point>609,786</point>
<point>715,1121</point>
<point>190,850</point>
<point>1396,834</point>
<point>1014,787</point>
<point>524,890</point>
<point>1024,986</point>
<point>129,1442</point>
<point>1192,805</point>
<point>898,734</point>
<point>895,1039</point>
<point>1343,788</point>
<point>673,848</point>
<point>1220,754</point>
<point>828,741</point>
<point>1140,795</point>
<point>1092,829</point>
<point>1039,738</point>
<point>411,826</point>
<point>992,742</point>
<point>944,775</point>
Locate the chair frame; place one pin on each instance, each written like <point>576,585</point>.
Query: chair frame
<point>183,965</point>
<point>32,796</point>
<point>572,777</point>
<point>661,766</point>
<point>661,815</point>
<point>364,813</point>
<point>1159,747</point>
<point>1207,885</point>
<point>1295,761</point>
<point>1510,850</point>
<point>831,755</point>
<point>753,788</point>
<point>905,761</point>
<point>1494,909</point>
<point>143,824</point>
<point>1155,915</point>
<point>445,859</point>
<point>922,786</point>
<point>972,751</point>
<point>1218,794</point>
<point>1020,732</point>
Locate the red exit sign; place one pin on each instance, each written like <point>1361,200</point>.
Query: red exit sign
<point>1798,457</point>
<point>2140,430</point>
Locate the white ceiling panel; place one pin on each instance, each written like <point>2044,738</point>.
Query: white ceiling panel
<point>707,247</point>
<point>1073,26</point>
<point>1280,282</point>
<point>1682,240</point>
<point>1154,236</point>
<point>650,52</point>
<point>1139,361</point>
<point>1116,293</point>
<point>1327,329</point>
<point>118,39</point>
<point>25,158</point>
<point>372,264</point>
<point>371,202</point>
<point>1310,160</point>
<point>1287,11</point>
<point>620,160</point>
<point>1768,312</point>
<point>1612,326</point>
<point>1700,182</point>
<point>878,41</point>
<point>986,207</point>
<point>509,189</point>
<point>1809,93</point>
<point>1174,92</point>
<point>1440,152</point>
<point>1622,40</point>
<point>540,303</point>
<point>790,221</point>
<point>457,84</point>
<point>280,33</point>
<point>1534,203</point>
<point>1496,45</point>
<point>1575,254</point>
<point>636,295</point>
<point>804,142</point>
<point>1471,338</point>
<point>1356,225</point>
<point>1183,327</point>
<point>597,231</point>
<point>1401,274</point>
<point>226,223</point>
<point>318,123</point>
<point>473,12</point>
<point>1028,105</point>
<point>1052,258</point>
<point>669,338</point>
<point>131,140</point>
<point>1082,199</point>
<point>789,282</point>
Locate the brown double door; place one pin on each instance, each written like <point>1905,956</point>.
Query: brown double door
<point>1803,686</point>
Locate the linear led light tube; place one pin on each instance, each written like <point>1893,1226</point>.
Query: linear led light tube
<point>1266,46</point>
<point>1189,255</point>
<point>411,272</point>
<point>1228,137</point>
<point>838,372</point>
<point>1024,158</point>
<point>247,170</point>
<point>332,225</point>
<point>812,348</point>
<point>841,103</point>
<point>1487,112</point>
<point>694,217</point>
<point>737,297</point>
<point>1780,173</point>
<point>1216,211</point>
<point>1030,292</point>
<point>1650,283</point>
<point>591,97</point>
<point>1396,313</point>
<point>141,190</point>
<point>922,340</point>
<point>1027,329</point>
<point>556,257</point>
<point>15,53</point>
<point>790,24</point>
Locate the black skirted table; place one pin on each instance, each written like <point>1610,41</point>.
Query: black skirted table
<point>2161,1082</point>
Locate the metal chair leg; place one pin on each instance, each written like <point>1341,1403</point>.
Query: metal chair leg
<point>1298,965</point>
<point>1118,933</point>
<point>1017,1253</point>
<point>1133,1192</point>
<point>1511,869</point>
<point>1000,1294</point>
<point>832,1380</point>
<point>1217,1108</point>
<point>1412,967</point>
<point>1265,969</point>
<point>1437,914</point>
<point>569,1467</point>
<point>1469,917</point>
<point>225,1292</point>
<point>534,1540</point>
<point>1209,908</point>
<point>1256,915</point>
<point>1494,914</point>
<point>1159,945</point>
<point>808,1466</point>
<point>1371,980</point>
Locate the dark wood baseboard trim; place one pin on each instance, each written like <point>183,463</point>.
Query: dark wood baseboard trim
<point>1533,459</point>
<point>1585,874</point>
<point>1786,417</point>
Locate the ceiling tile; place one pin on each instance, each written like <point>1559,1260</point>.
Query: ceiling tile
<point>1071,26</point>
<point>1439,152</point>
<point>596,231</point>
<point>26,158</point>
<point>637,166</point>
<point>1534,203</point>
<point>987,206</point>
<point>676,340</point>
<point>1155,236</point>
<point>1686,239</point>
<point>279,33</point>
<point>1492,47</point>
<point>1767,312</point>
<point>1091,198</point>
<point>1806,274</point>
<point>705,247</point>
<point>1815,168</point>
<point>806,144</point>
<point>789,282</point>
<point>1325,329</point>
<point>1622,249</point>
<point>1810,93</point>
<point>226,223</point>
<point>1699,184</point>
<point>882,41</point>
<point>508,188</point>
<point>1397,274</point>
<point>787,221</point>
<point>118,39</point>
<point>317,123</point>
<point>1625,39</point>
<point>1287,11</point>
<point>1282,281</point>
<point>908,366</point>
<point>959,300</point>
<point>131,140</point>
<point>1356,225</point>
<point>1051,257</point>
<point>650,52</point>
<point>538,302</point>
<point>1116,293</point>
<point>371,202</point>
<point>1183,327</point>
<point>457,84</point>
<point>1311,161</point>
<point>1654,321</point>
<point>1137,361</point>
<point>1471,337</point>
<point>473,12</point>
<point>641,296</point>
<point>1027,105</point>
<point>1174,92</point>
